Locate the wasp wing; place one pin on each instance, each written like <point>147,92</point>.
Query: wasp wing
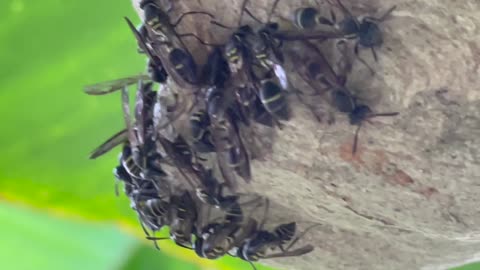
<point>132,138</point>
<point>142,43</point>
<point>227,173</point>
<point>162,50</point>
<point>247,231</point>
<point>107,87</point>
<point>109,144</point>
<point>297,252</point>
<point>140,112</point>
<point>317,35</point>
<point>244,170</point>
<point>311,64</point>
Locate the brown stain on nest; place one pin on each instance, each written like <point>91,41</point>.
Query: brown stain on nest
<point>401,178</point>
<point>427,191</point>
<point>377,162</point>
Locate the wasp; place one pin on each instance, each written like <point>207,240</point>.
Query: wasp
<point>274,99</point>
<point>183,216</point>
<point>154,213</point>
<point>227,140</point>
<point>181,156</point>
<point>155,67</point>
<point>127,134</point>
<point>215,74</point>
<point>121,175</point>
<point>246,49</point>
<point>167,44</point>
<point>202,138</point>
<point>218,239</point>
<point>331,85</point>
<point>149,105</point>
<point>117,139</point>
<point>258,245</point>
<point>266,48</point>
<point>152,206</point>
<point>365,31</point>
<point>127,161</point>
<point>138,174</point>
<point>357,112</point>
<point>213,193</point>
<point>108,87</point>
<point>139,156</point>
<point>244,82</point>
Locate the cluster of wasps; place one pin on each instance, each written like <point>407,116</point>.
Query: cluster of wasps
<point>169,177</point>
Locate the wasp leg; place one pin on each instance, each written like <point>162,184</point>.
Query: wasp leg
<point>356,50</point>
<point>179,20</point>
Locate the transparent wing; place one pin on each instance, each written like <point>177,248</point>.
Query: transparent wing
<point>141,42</point>
<point>132,138</point>
<point>317,35</point>
<point>139,112</point>
<point>310,64</point>
<point>220,141</point>
<point>109,144</point>
<point>297,252</point>
<point>104,88</point>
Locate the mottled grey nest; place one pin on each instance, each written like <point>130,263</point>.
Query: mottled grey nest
<point>409,198</point>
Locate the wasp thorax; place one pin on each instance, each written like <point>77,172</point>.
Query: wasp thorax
<point>183,64</point>
<point>349,26</point>
<point>343,101</point>
<point>359,114</point>
<point>370,34</point>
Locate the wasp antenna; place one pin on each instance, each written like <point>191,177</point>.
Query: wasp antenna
<point>157,238</point>
<point>242,9</point>
<point>355,140</point>
<point>253,266</point>
<point>128,21</point>
<point>179,20</point>
<point>386,14</point>
<point>200,40</point>
<point>219,24</point>
<point>155,244</point>
<point>253,16</point>
<point>346,11</point>
<point>302,235</point>
<point>384,114</point>
<point>272,10</point>
<point>265,213</point>
<point>357,54</point>
<point>374,54</point>
<point>143,227</point>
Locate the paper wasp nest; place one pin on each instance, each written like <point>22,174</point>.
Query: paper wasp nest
<point>408,199</point>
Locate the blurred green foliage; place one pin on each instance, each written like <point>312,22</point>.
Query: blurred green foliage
<point>50,49</point>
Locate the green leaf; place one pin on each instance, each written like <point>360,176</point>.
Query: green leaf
<point>32,240</point>
<point>50,50</point>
